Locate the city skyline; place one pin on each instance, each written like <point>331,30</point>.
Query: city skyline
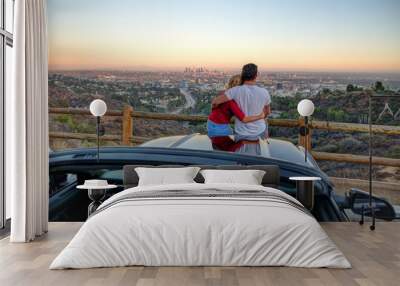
<point>355,35</point>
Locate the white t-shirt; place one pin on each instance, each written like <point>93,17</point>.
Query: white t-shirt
<point>251,99</point>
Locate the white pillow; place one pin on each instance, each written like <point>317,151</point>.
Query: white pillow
<point>248,177</point>
<point>166,176</point>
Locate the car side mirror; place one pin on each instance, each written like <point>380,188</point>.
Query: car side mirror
<point>359,200</point>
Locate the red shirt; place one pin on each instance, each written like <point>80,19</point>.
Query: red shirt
<point>223,113</point>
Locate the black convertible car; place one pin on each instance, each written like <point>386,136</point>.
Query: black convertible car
<point>71,168</point>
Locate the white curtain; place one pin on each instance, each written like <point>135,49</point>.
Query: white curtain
<point>27,124</point>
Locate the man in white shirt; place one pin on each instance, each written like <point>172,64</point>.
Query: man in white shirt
<point>252,99</point>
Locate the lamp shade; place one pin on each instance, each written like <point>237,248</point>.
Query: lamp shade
<point>305,107</point>
<point>98,107</point>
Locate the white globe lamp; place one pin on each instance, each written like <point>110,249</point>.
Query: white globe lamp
<point>305,109</point>
<point>98,108</point>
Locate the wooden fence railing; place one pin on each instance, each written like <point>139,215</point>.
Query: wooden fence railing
<point>127,137</point>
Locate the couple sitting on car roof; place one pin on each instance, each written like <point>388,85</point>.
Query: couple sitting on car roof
<point>249,103</point>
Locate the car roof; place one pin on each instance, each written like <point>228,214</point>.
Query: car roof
<point>270,148</point>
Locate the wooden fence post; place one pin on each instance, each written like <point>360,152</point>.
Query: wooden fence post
<point>306,138</point>
<point>127,125</point>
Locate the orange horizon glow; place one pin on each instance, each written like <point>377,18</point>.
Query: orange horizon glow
<point>66,61</point>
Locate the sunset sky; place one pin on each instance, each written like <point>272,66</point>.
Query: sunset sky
<point>307,35</point>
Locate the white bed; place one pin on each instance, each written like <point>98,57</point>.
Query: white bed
<point>187,230</point>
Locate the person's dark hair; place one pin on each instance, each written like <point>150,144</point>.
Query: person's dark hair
<point>249,72</point>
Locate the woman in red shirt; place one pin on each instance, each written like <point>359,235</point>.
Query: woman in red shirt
<point>218,123</point>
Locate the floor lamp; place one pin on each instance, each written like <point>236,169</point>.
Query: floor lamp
<point>372,96</point>
<point>305,109</point>
<point>98,108</point>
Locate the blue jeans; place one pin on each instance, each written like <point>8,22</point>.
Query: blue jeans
<point>216,129</point>
<point>262,135</point>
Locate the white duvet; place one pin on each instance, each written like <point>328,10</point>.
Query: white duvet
<point>200,231</point>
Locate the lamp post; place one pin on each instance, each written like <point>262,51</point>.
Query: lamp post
<point>305,109</point>
<point>98,108</point>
